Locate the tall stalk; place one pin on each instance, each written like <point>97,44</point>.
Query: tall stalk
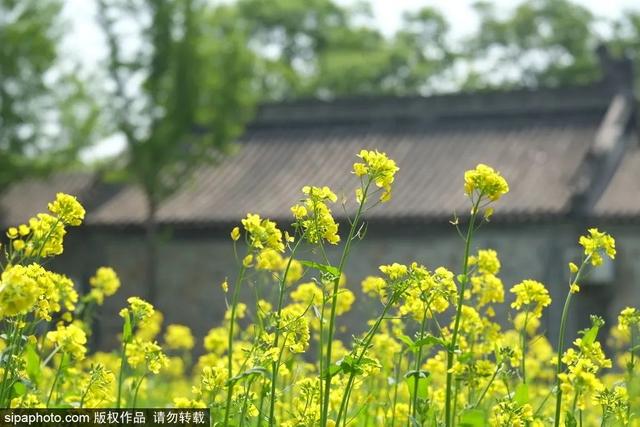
<point>563,327</point>
<point>414,400</point>
<point>276,365</point>
<point>456,327</point>
<point>365,346</point>
<point>334,300</point>
<point>232,320</point>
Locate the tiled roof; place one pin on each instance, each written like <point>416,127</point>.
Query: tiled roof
<point>537,139</point>
<point>622,196</point>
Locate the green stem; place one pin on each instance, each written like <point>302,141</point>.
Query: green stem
<point>232,321</point>
<point>395,389</point>
<point>414,401</point>
<point>8,367</point>
<point>334,300</point>
<point>121,373</point>
<point>55,379</point>
<point>563,327</point>
<point>365,347</point>
<point>456,327</point>
<point>135,393</point>
<point>486,389</point>
<point>275,366</point>
<point>524,348</point>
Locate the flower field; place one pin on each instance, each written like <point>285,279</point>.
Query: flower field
<point>433,354</point>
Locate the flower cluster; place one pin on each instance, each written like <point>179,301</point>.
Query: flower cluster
<point>435,350</point>
<point>71,339</point>
<point>67,209</point>
<point>532,295</point>
<point>104,284</point>
<point>596,244</point>
<point>379,168</point>
<point>314,216</point>
<point>263,233</point>
<point>484,181</point>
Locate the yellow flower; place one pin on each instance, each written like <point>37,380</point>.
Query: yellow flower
<point>104,283</point>
<point>235,234</point>
<point>574,288</point>
<point>71,340</point>
<point>531,294</point>
<point>67,209</point>
<point>12,233</point>
<point>487,261</point>
<point>380,169</point>
<point>263,233</point>
<point>18,291</point>
<point>486,182</point>
<point>628,318</point>
<point>315,217</point>
<point>138,308</point>
<point>18,244</point>
<point>269,259</point>
<point>394,271</point>
<point>148,353</point>
<point>596,244</point>
<point>247,261</point>
<point>47,236</point>
<point>225,286</point>
<point>178,337</point>
<point>573,268</point>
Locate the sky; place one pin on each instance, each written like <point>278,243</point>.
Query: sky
<point>85,42</point>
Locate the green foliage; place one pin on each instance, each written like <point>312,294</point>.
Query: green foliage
<point>46,114</point>
<point>540,43</point>
<point>321,49</point>
<point>195,93</point>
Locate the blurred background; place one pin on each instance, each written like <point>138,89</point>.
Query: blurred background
<point>172,119</point>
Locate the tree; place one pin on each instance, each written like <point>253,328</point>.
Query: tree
<point>46,114</point>
<point>541,43</point>
<point>321,49</point>
<point>179,97</point>
<point>626,40</point>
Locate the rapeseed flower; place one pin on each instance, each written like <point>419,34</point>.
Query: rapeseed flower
<point>139,309</point>
<point>18,291</point>
<point>314,216</point>
<point>103,284</point>
<point>596,244</point>
<point>263,233</point>
<point>71,339</point>
<point>484,181</point>
<point>379,168</point>
<point>178,337</point>
<point>532,295</point>
<point>67,209</point>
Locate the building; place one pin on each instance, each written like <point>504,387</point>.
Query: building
<point>571,157</point>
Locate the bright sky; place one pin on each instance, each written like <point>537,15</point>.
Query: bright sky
<point>86,43</point>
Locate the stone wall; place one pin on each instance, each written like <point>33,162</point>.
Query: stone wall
<point>194,263</point>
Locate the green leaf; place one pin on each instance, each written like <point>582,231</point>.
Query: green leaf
<point>522,394</point>
<point>408,341</point>
<point>19,388</point>
<point>418,383</point>
<point>590,335</point>
<point>329,269</point>
<point>249,373</point>
<point>334,369</point>
<point>472,418</point>
<point>127,332</point>
<point>429,340</point>
<point>32,360</point>
<point>570,420</point>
